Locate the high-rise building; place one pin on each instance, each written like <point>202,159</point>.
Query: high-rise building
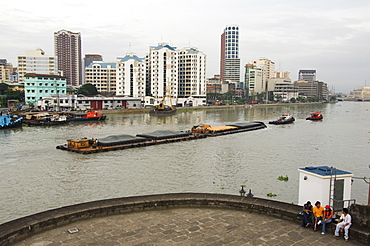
<point>131,76</point>
<point>6,70</point>
<point>307,75</point>
<point>192,72</point>
<point>267,66</point>
<point>162,72</point>
<point>35,61</point>
<point>67,47</point>
<point>230,61</point>
<point>254,83</point>
<point>102,75</point>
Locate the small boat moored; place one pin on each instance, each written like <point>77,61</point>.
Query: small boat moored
<point>45,119</point>
<point>87,116</point>
<point>284,119</point>
<point>315,116</point>
<point>10,121</point>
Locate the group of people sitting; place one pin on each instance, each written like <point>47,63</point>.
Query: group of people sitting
<point>323,216</point>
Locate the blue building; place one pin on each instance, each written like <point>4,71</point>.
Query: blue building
<point>37,86</point>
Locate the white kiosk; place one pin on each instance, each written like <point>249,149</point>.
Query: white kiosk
<point>328,185</point>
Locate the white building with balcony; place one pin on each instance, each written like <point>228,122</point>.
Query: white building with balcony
<point>162,73</point>
<point>192,77</point>
<point>131,75</point>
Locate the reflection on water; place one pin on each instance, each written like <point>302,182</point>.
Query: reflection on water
<point>35,176</point>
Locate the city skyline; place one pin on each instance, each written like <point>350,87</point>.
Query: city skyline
<point>329,37</point>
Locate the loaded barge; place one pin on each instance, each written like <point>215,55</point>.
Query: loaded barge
<point>120,142</point>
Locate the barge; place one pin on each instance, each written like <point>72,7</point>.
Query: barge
<point>120,142</point>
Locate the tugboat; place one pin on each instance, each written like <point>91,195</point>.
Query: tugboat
<point>87,116</point>
<point>8,121</point>
<point>315,116</point>
<point>284,119</point>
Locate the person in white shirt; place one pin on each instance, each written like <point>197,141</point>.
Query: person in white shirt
<point>344,223</point>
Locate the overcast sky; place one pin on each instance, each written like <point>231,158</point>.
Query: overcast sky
<point>330,36</point>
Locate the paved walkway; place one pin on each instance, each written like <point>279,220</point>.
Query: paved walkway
<point>185,226</point>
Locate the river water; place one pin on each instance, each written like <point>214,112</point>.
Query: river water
<point>35,176</point>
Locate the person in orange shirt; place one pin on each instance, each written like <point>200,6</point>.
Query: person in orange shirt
<point>318,213</point>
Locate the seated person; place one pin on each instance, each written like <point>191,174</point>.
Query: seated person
<point>328,216</point>
<point>318,213</point>
<point>307,212</point>
<point>344,223</point>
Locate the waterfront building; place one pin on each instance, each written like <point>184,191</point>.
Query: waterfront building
<point>35,61</point>
<point>362,92</point>
<point>67,47</point>
<point>213,84</point>
<point>162,73</point>
<point>254,80</point>
<point>229,60</point>
<point>38,86</point>
<point>102,75</point>
<point>6,70</point>
<point>192,74</point>
<point>90,58</point>
<point>267,66</point>
<point>307,75</point>
<point>131,75</point>
<point>283,89</point>
<point>315,89</point>
<point>79,102</point>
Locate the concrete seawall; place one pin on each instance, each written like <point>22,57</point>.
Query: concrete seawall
<point>22,228</point>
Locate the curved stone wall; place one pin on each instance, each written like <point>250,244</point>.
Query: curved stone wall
<point>22,228</point>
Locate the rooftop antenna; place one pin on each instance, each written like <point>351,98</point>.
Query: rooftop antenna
<point>129,44</point>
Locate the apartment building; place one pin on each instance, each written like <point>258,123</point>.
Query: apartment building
<point>38,86</point>
<point>254,80</point>
<point>131,75</point>
<point>6,70</point>
<point>192,72</point>
<point>162,72</point>
<point>35,61</point>
<point>67,47</point>
<point>103,76</point>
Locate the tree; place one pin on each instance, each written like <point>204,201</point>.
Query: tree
<point>3,87</point>
<point>87,90</point>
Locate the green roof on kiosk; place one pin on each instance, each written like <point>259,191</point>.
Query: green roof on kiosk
<point>325,171</point>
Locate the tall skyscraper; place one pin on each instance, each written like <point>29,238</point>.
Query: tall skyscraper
<point>35,61</point>
<point>67,47</point>
<point>230,61</point>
